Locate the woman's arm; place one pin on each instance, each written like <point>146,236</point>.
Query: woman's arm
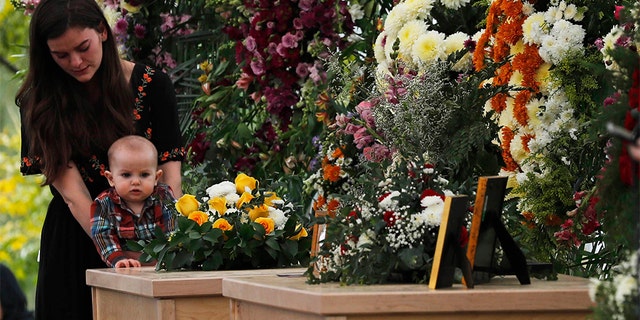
<point>75,195</point>
<point>172,176</point>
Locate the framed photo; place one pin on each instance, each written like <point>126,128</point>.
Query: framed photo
<point>449,253</point>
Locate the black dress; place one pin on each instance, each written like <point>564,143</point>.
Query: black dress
<point>66,251</point>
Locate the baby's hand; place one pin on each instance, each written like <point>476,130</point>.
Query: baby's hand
<point>127,263</point>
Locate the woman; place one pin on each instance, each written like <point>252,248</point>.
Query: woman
<point>79,97</point>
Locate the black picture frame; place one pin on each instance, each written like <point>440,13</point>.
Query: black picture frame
<point>488,233</point>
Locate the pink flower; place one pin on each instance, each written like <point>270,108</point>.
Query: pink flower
<point>244,81</point>
<point>616,13</point>
<point>351,128</point>
<point>376,153</point>
<point>302,70</point>
<point>342,120</point>
<point>364,109</point>
<point>290,41</point>
<point>257,67</point>
<point>362,138</point>
<point>250,44</point>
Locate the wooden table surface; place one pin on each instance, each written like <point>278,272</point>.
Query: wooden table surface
<point>502,295</point>
<point>147,282</point>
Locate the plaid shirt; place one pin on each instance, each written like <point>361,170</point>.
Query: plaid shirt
<point>112,223</point>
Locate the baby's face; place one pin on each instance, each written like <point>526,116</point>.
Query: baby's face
<point>133,175</point>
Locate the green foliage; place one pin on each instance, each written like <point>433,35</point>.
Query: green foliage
<point>23,204</point>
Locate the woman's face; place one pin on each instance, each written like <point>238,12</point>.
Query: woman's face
<point>78,52</point>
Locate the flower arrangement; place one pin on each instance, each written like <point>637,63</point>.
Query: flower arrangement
<point>383,168</point>
<point>261,111</point>
<point>238,225</point>
<point>385,230</point>
<point>552,60</point>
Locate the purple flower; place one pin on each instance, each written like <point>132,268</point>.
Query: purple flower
<point>139,31</point>
<point>121,26</point>
<point>289,40</point>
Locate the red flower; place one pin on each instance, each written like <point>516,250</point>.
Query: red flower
<point>390,218</point>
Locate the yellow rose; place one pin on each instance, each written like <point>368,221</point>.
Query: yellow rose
<point>199,217</point>
<point>303,233</point>
<point>187,204</point>
<point>222,224</point>
<point>270,197</point>
<point>244,198</point>
<point>243,182</point>
<point>218,204</point>
<point>260,211</point>
<point>267,223</point>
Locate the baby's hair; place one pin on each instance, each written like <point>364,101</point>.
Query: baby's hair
<point>132,143</point>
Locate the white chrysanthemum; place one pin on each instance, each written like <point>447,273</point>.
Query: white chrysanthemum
<point>396,18</point>
<point>356,12</point>
<point>429,47</point>
<point>378,48</point>
<point>572,35</point>
<point>408,35</point>
<point>221,189</point>
<point>432,214</point>
<point>517,149</point>
<point>625,286</point>
<point>570,12</point>
<point>534,107</point>
<point>390,202</point>
<point>455,42</point>
<point>454,4</point>
<point>420,9</point>
<point>516,79</point>
<point>527,8</point>
<point>550,15</point>
<point>533,29</point>
<point>278,217</point>
<point>506,116</point>
<point>430,201</point>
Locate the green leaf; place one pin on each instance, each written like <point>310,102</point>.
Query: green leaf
<point>159,247</point>
<point>214,262</point>
<point>182,259</point>
<point>135,245</point>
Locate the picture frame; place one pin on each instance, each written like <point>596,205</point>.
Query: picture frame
<point>488,233</point>
<point>449,254</point>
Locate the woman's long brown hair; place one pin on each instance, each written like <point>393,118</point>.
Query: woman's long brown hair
<point>61,120</point>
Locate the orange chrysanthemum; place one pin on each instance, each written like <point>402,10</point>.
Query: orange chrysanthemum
<point>331,173</point>
<point>520,107</point>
